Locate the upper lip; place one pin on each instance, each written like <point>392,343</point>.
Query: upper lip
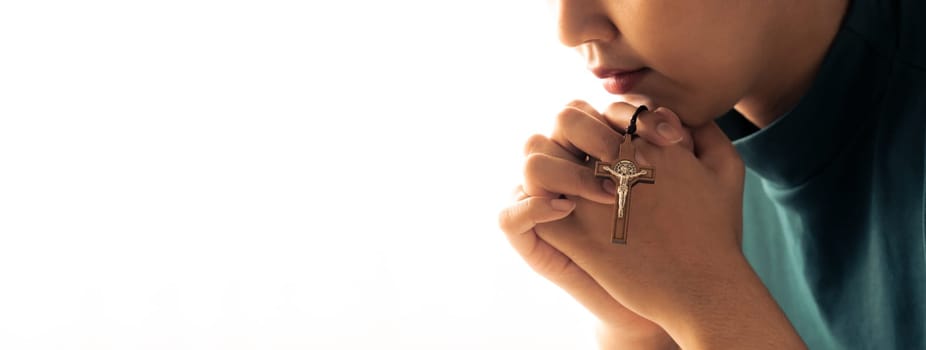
<point>605,72</point>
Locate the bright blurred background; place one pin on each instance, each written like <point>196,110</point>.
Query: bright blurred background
<point>275,174</point>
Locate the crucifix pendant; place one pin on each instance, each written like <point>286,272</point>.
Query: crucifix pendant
<point>625,173</point>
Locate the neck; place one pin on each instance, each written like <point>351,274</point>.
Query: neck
<point>802,37</point>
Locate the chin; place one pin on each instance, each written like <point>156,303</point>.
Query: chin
<point>696,117</point>
<point>696,112</point>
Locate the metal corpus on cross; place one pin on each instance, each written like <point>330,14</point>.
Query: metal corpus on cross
<point>625,173</point>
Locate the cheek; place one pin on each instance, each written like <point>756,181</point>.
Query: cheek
<point>688,49</point>
<point>702,57</point>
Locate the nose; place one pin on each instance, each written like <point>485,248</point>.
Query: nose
<point>582,21</point>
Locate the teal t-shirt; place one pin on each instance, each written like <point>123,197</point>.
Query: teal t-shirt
<point>833,214</point>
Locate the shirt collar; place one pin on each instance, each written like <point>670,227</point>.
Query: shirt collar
<point>835,112</point>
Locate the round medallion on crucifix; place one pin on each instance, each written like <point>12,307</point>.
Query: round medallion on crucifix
<point>625,167</point>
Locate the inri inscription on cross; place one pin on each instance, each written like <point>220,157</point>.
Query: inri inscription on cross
<point>625,173</point>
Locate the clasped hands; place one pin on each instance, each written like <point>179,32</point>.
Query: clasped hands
<point>683,251</point>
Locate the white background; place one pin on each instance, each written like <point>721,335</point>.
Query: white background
<point>275,174</point>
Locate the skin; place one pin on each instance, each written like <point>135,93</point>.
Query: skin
<point>707,55</point>
<point>682,282</point>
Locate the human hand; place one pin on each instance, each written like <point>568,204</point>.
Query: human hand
<point>619,327</point>
<point>684,235</point>
<point>579,121</point>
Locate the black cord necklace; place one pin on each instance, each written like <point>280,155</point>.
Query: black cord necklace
<point>632,129</point>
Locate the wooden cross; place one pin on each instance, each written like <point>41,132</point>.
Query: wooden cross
<point>625,173</point>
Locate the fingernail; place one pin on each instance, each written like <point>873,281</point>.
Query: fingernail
<point>668,132</point>
<point>609,186</point>
<point>562,204</point>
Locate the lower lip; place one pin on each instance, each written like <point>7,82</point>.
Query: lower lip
<point>622,83</point>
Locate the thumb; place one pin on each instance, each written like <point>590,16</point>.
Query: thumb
<point>671,124</point>
<point>716,151</point>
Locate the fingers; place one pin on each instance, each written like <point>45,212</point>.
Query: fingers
<point>528,212</point>
<point>661,126</point>
<point>558,166</point>
<point>518,193</point>
<point>518,222</point>
<point>549,176</point>
<point>670,125</point>
<point>585,107</point>
<point>582,131</point>
<point>716,152</point>
<point>541,144</point>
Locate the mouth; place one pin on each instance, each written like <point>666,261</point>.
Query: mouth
<point>618,81</point>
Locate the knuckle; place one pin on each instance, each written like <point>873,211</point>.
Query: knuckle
<point>549,269</point>
<point>503,218</point>
<point>542,268</point>
<point>518,193</point>
<point>531,205</point>
<point>620,113</point>
<point>625,105</point>
<point>578,103</point>
<point>534,143</point>
<point>507,217</point>
<point>582,106</point>
<point>534,163</point>
<point>567,116</point>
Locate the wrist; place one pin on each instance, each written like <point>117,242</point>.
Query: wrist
<point>729,309</point>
